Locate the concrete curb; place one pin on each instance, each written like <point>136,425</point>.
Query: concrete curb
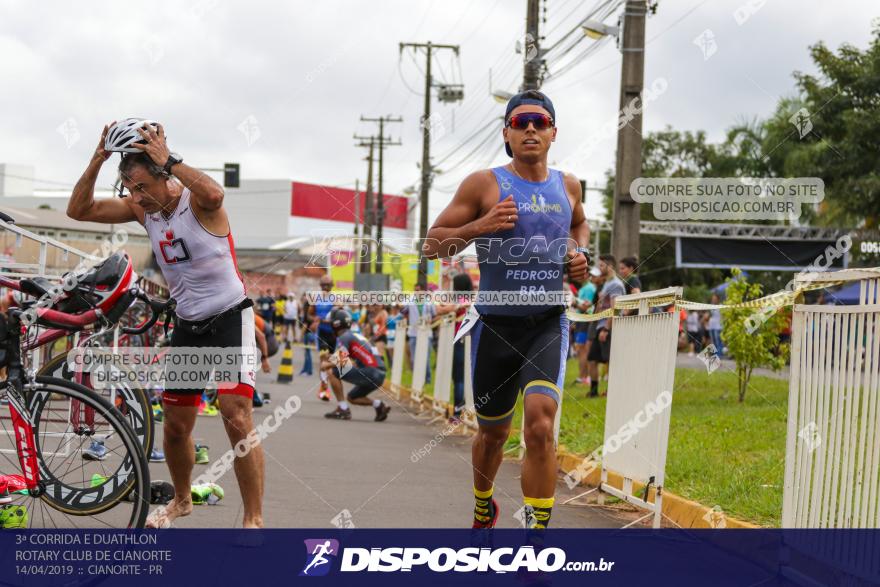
<point>684,512</point>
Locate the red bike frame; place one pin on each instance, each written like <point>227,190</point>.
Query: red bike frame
<point>21,421</point>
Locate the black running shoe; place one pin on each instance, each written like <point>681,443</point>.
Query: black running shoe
<point>382,412</point>
<point>338,414</point>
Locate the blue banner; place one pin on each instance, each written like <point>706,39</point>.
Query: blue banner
<point>439,557</point>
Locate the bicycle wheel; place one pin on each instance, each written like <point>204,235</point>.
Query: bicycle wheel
<point>132,400</point>
<point>80,486</point>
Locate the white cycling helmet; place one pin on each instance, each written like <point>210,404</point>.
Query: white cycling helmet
<point>122,135</point>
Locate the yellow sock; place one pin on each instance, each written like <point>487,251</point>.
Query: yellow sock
<point>541,508</point>
<point>484,510</point>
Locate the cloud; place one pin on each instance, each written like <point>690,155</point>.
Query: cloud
<point>307,71</point>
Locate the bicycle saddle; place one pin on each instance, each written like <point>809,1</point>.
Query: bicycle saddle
<point>36,286</point>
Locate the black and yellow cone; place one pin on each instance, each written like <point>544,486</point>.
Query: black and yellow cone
<point>285,371</point>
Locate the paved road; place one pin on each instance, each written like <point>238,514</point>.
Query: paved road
<point>694,362</point>
<point>319,470</point>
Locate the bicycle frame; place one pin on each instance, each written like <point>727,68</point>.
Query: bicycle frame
<point>18,380</point>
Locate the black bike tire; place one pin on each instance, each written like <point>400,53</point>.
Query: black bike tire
<point>139,394</point>
<point>140,481</point>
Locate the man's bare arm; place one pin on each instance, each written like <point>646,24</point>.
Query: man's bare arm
<point>82,204</point>
<point>580,230</point>
<point>206,193</point>
<point>460,222</point>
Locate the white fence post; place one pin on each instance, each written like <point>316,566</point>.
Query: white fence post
<point>420,360</point>
<point>398,356</point>
<point>443,371</point>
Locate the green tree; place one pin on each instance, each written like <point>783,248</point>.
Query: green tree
<point>840,137</point>
<point>751,335</point>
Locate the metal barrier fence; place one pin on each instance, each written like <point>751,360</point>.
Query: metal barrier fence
<point>641,371</point>
<point>34,255</point>
<point>832,456</point>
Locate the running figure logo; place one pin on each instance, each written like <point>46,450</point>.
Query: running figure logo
<point>319,556</point>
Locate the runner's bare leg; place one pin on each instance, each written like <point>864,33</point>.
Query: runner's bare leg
<point>180,456</point>
<point>487,453</point>
<point>539,464</point>
<point>237,412</point>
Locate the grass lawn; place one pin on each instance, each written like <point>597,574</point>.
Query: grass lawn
<point>720,452</point>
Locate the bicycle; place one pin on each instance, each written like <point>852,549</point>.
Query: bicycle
<point>52,418</point>
<point>133,400</point>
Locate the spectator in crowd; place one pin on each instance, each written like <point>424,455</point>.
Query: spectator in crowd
<point>460,283</point>
<point>600,347</point>
<point>304,315</point>
<point>683,341</point>
<point>266,305</point>
<point>394,317</point>
<point>379,325</point>
<point>291,317</point>
<point>278,320</point>
<point>715,325</point>
<point>627,268</point>
<point>695,332</point>
<point>583,304</point>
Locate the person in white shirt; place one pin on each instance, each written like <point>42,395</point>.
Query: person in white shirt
<point>291,315</point>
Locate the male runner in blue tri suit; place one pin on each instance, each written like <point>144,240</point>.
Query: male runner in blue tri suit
<point>529,227</point>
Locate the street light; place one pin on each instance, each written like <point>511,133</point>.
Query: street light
<point>596,30</point>
<point>502,96</point>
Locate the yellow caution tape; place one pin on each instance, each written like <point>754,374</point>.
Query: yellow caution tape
<point>774,300</point>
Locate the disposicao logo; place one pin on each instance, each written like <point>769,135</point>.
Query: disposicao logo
<point>320,554</point>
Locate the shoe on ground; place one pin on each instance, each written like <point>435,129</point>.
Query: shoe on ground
<point>257,400</point>
<point>161,492</point>
<point>339,414</point>
<point>98,480</point>
<point>157,456</point>
<point>491,523</point>
<point>13,517</point>
<point>210,410</point>
<point>202,457</point>
<point>96,451</point>
<point>382,412</point>
<point>207,493</point>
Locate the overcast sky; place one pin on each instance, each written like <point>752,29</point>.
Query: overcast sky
<point>280,86</point>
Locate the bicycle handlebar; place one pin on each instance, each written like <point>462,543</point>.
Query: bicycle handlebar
<point>157,308</point>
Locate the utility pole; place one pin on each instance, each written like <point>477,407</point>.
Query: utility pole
<point>380,197</point>
<point>357,205</point>
<point>625,227</point>
<point>532,48</point>
<point>427,171</point>
<point>365,264</point>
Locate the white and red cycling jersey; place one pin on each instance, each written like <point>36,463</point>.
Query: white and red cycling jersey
<point>199,266</point>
